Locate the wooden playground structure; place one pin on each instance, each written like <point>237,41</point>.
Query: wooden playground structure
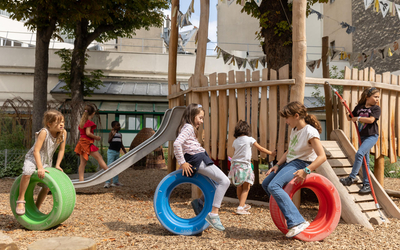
<point>258,96</point>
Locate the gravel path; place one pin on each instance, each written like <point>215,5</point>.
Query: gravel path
<point>123,218</point>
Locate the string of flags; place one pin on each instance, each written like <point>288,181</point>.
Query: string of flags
<point>183,19</point>
<point>358,57</point>
<point>239,61</point>
<point>384,6</point>
<point>349,29</point>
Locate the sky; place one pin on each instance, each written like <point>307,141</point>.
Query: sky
<point>195,20</point>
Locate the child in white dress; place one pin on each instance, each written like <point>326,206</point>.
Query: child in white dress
<point>241,173</point>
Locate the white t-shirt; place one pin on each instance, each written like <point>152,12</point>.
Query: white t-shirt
<point>299,148</point>
<point>242,146</point>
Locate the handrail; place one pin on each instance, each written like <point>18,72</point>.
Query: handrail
<point>353,83</point>
<point>239,85</point>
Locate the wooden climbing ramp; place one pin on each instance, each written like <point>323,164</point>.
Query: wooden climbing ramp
<point>356,209</point>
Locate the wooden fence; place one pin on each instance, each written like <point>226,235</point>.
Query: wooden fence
<point>241,95</point>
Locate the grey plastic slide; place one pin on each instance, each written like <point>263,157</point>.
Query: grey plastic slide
<point>166,132</point>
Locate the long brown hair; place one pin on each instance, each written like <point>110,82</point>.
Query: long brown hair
<point>296,107</point>
<point>188,116</point>
<point>367,93</point>
<point>51,116</point>
<point>89,110</point>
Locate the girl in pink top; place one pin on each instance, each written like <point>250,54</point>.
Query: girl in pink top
<point>192,157</point>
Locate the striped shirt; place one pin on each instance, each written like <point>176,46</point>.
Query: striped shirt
<point>186,143</point>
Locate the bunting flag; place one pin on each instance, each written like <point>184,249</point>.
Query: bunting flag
<point>258,2</point>
<point>229,2</point>
<point>263,60</point>
<point>226,56</point>
<point>397,7</point>
<point>349,29</point>
<point>312,65</point>
<point>368,3</point>
<point>240,62</point>
<point>384,7</point>
<point>334,53</point>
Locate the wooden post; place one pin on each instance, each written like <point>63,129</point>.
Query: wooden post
<point>379,169</point>
<point>172,62</point>
<point>299,58</point>
<point>202,37</point>
<point>299,50</point>
<point>327,89</point>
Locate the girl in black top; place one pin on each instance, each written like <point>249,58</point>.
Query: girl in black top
<point>366,113</point>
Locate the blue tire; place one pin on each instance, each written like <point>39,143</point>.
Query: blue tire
<point>168,218</point>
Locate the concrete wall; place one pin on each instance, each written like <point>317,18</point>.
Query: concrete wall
<point>339,10</point>
<point>149,41</point>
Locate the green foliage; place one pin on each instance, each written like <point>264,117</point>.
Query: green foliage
<point>11,138</point>
<point>13,166</point>
<point>89,83</point>
<point>334,73</point>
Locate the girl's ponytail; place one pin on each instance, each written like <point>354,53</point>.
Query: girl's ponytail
<point>89,110</point>
<point>313,121</point>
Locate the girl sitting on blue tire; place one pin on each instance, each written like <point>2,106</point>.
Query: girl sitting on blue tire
<point>40,156</point>
<point>304,155</point>
<point>192,157</point>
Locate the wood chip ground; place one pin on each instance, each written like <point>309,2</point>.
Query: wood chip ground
<point>123,218</point>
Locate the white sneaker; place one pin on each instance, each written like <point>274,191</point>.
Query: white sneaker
<point>107,185</point>
<point>297,229</point>
<point>118,184</point>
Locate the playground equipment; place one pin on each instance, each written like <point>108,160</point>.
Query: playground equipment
<point>166,132</point>
<point>329,208</point>
<point>168,218</point>
<point>64,197</point>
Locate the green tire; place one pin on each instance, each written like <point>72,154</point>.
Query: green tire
<point>64,198</point>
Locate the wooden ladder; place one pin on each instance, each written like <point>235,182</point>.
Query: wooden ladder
<point>342,167</point>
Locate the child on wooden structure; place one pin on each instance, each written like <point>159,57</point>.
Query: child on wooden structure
<point>85,146</point>
<point>192,157</point>
<point>241,173</point>
<point>115,141</point>
<point>366,113</point>
<point>40,156</point>
<point>305,154</point>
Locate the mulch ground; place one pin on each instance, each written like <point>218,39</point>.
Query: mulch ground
<point>123,218</point>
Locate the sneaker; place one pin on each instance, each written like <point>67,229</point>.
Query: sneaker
<point>118,184</point>
<point>366,189</point>
<point>215,222</point>
<point>247,207</point>
<point>297,229</point>
<point>347,181</point>
<point>242,211</point>
<point>197,207</point>
<point>107,185</point>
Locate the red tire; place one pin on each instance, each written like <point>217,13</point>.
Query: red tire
<point>329,208</point>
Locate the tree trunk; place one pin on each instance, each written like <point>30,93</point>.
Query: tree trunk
<point>278,49</point>
<point>77,73</point>
<point>43,37</point>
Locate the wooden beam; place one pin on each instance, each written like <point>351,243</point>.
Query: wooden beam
<point>173,47</point>
<point>299,49</point>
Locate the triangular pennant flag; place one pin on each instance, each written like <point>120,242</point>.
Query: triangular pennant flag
<point>223,1</point>
<point>263,61</point>
<point>381,53</point>
<point>191,7</point>
<point>226,56</point>
<point>352,57</point>
<point>384,6</point>
<point>311,65</point>
<point>396,47</point>
<point>229,2</point>
<point>376,6</point>
<point>253,63</point>
<point>367,57</point>
<point>393,10</point>
<point>319,62</point>
<point>232,61</point>
<point>390,52</point>
<point>244,63</point>
<point>334,53</point>
<point>368,3</point>
<point>240,61</point>
<point>258,2</point>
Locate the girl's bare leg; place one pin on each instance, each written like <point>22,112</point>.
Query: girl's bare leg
<point>239,191</point>
<point>244,194</point>
<point>42,196</point>
<point>214,210</point>
<point>81,169</point>
<point>99,159</point>
<point>23,185</point>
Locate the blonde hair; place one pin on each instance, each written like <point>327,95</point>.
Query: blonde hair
<point>296,107</point>
<point>53,116</point>
<point>190,113</point>
<point>367,93</point>
<point>89,110</point>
